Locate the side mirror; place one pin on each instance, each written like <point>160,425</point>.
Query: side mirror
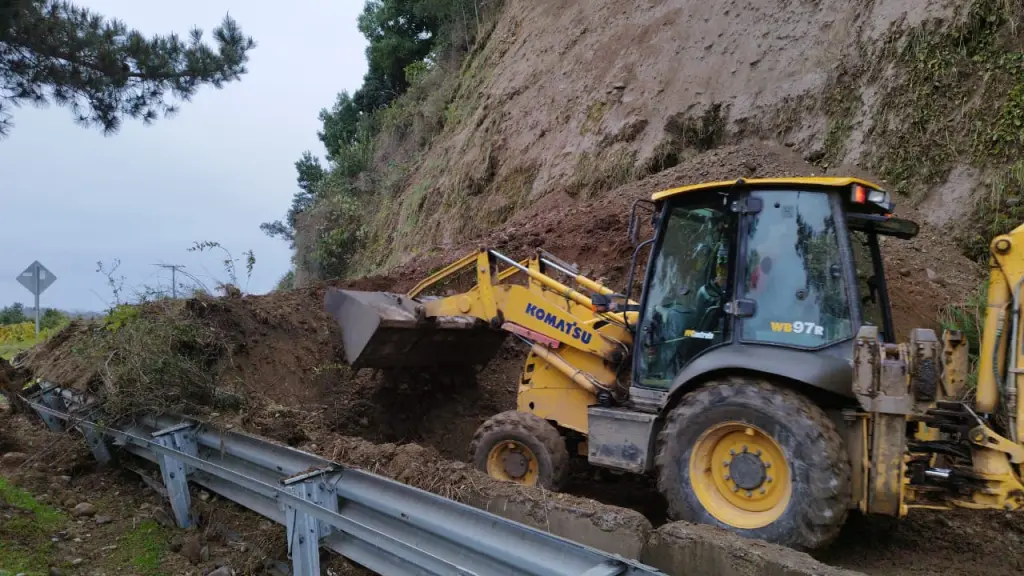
<point>634,227</point>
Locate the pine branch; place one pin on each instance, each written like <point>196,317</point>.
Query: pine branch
<point>54,51</point>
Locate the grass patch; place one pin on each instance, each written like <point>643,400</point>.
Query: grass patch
<point>702,133</point>
<point>9,351</point>
<point>954,98</point>
<point>997,210</point>
<point>25,545</point>
<point>968,316</point>
<point>143,549</point>
<point>595,115</point>
<point>607,170</point>
<point>46,516</point>
<point>957,97</point>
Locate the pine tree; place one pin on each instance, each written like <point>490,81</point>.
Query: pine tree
<point>54,51</point>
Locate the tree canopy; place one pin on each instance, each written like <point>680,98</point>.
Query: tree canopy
<point>15,314</point>
<point>405,38</point>
<point>54,51</point>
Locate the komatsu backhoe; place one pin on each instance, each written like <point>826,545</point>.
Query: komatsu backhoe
<point>756,375</point>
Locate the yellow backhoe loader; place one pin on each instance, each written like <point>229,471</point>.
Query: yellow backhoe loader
<point>756,373</point>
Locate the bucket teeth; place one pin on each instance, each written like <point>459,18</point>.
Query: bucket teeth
<point>386,330</point>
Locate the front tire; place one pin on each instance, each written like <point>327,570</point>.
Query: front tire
<point>521,448</point>
<point>756,459</point>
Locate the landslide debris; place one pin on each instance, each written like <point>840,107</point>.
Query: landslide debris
<point>272,364</point>
<point>425,468</point>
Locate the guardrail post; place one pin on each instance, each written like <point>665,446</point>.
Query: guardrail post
<point>97,444</point>
<point>52,399</point>
<point>305,531</point>
<point>181,438</point>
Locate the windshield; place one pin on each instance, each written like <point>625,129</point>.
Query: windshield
<point>794,272</point>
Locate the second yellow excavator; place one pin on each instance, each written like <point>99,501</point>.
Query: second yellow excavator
<point>756,374</point>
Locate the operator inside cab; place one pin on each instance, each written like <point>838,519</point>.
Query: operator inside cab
<point>690,287</point>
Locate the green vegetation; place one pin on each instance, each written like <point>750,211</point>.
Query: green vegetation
<point>163,360</point>
<point>11,495</point>
<point>143,548</point>
<point>9,351</point>
<point>15,314</point>
<point>596,173</point>
<point>968,316</point>
<point>958,96</point>
<point>25,545</point>
<point>414,45</point>
<point>287,282</point>
<point>54,51</point>
<point>18,330</point>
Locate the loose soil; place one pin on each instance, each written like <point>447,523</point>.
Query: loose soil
<point>283,354</point>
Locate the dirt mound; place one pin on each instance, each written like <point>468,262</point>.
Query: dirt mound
<point>954,543</point>
<point>11,382</point>
<point>426,469</point>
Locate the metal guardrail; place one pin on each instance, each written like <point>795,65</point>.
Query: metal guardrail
<point>386,526</point>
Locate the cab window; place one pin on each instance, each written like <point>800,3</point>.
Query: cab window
<point>868,287</point>
<point>683,311</point>
<point>794,272</point>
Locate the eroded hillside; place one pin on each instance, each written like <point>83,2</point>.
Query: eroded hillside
<point>567,100</point>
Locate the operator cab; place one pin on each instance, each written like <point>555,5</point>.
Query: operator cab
<point>763,272</point>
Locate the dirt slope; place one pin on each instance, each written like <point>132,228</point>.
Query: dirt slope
<point>563,99</point>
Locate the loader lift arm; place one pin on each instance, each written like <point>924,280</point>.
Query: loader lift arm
<point>548,314</point>
<point>969,451</point>
<point>587,338</point>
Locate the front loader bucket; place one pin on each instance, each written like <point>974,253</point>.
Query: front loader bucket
<point>385,330</point>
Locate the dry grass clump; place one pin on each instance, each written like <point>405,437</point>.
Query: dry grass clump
<point>157,358</point>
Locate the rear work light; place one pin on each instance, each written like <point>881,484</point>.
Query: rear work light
<point>864,195</point>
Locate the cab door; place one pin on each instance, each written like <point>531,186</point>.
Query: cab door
<point>688,283</point>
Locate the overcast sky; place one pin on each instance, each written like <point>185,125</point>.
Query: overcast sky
<point>70,196</point>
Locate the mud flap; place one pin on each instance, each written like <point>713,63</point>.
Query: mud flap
<point>385,330</point>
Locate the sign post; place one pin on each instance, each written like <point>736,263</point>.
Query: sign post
<point>37,279</point>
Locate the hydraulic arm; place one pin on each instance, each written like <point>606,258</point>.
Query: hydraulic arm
<point>585,338</point>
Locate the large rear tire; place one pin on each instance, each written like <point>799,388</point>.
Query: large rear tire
<point>521,448</point>
<point>756,459</point>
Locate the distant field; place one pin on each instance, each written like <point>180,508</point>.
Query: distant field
<point>7,351</point>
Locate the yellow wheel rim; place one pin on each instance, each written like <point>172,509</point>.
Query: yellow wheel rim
<point>513,461</point>
<point>740,475</point>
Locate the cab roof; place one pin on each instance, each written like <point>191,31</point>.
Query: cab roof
<point>862,216</point>
<point>832,182</point>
